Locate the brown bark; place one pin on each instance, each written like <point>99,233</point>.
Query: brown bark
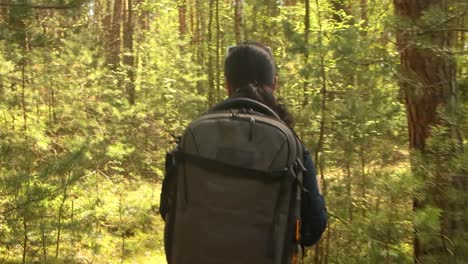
<point>143,17</point>
<point>107,29</point>
<point>218,47</point>
<point>182,17</point>
<point>198,22</point>
<point>192,12</point>
<point>115,38</point>
<point>306,50</point>
<point>239,21</point>
<point>428,81</point>
<point>128,58</point>
<point>211,83</point>
<point>364,17</point>
<point>428,78</point>
<point>319,158</point>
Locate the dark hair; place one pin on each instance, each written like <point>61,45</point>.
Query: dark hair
<point>251,71</point>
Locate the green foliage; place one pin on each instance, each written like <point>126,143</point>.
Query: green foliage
<point>81,166</point>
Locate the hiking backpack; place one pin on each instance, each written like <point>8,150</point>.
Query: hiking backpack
<point>232,189</point>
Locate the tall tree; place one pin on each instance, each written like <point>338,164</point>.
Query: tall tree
<point>239,21</point>
<point>182,4</point>
<point>306,50</point>
<point>428,81</point>
<point>211,76</point>
<point>115,37</point>
<point>128,57</point>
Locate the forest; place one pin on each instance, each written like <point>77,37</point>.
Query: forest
<point>93,92</point>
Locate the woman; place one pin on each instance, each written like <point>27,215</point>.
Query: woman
<point>228,193</point>
<point>251,72</point>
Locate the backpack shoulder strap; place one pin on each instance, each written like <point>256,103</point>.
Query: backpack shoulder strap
<point>243,102</point>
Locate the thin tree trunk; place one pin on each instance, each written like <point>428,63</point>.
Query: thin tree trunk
<point>25,238</point>
<point>363,179</point>
<point>239,21</point>
<point>122,228</point>
<point>115,36</point>
<point>198,41</point>
<point>364,17</point>
<point>211,83</point>
<point>182,17</point>
<point>306,51</point>
<point>107,30</point>
<point>59,225</point>
<point>128,58</point>
<point>192,5</point>
<point>319,158</point>
<point>348,191</point>
<point>327,243</point>
<point>43,237</point>
<point>218,66</point>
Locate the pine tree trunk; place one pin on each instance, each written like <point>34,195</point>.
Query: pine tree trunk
<point>218,66</point>
<point>115,38</point>
<point>305,85</point>
<point>128,58</point>
<point>182,17</point>
<point>428,82</point>
<point>211,83</point>
<point>239,21</point>
<point>319,157</point>
<point>364,17</point>
<point>107,29</point>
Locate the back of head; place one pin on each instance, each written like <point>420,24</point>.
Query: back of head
<point>250,63</point>
<point>251,72</point>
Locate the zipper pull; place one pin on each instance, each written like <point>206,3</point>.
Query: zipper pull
<point>252,122</point>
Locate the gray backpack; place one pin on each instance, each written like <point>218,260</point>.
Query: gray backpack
<point>232,190</point>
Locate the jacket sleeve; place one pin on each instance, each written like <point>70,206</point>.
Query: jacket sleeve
<point>313,210</point>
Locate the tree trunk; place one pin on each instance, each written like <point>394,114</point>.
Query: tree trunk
<point>428,82</point>
<point>128,58</point>
<point>182,17</point>
<point>306,50</point>
<point>239,21</point>
<point>115,36</point>
<point>319,158</point>
<point>218,66</point>
<point>211,83</point>
<point>143,17</point>
<point>107,30</point>
<point>364,17</point>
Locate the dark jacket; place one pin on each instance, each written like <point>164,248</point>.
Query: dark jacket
<point>313,212</point>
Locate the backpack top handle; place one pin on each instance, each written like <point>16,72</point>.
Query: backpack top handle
<point>243,102</point>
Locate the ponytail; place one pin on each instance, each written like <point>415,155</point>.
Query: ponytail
<point>264,95</point>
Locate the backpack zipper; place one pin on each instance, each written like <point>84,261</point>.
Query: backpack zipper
<point>258,118</point>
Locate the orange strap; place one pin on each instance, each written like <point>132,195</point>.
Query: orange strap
<point>294,258</point>
<point>298,237</point>
<point>298,230</point>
